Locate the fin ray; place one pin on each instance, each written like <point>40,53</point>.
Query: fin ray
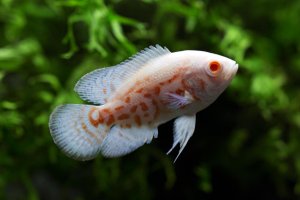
<point>73,133</point>
<point>97,86</point>
<point>175,101</point>
<point>184,127</point>
<point>122,141</point>
<point>137,61</point>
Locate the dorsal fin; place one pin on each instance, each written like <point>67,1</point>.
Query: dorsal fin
<point>137,61</point>
<point>98,85</point>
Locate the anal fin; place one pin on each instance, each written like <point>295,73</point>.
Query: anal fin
<point>184,127</point>
<point>121,141</point>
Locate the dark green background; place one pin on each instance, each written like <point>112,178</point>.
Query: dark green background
<point>246,145</point>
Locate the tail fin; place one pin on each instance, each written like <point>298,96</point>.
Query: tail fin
<point>73,132</point>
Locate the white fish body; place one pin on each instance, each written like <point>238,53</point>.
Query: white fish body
<point>135,97</point>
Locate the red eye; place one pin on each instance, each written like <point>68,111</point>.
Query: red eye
<point>214,66</point>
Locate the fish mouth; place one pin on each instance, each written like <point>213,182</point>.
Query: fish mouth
<point>231,73</point>
<point>235,67</point>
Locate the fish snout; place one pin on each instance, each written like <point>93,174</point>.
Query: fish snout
<point>231,71</point>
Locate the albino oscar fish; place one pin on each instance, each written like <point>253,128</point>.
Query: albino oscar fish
<point>133,98</point>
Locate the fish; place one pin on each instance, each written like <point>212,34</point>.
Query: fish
<point>128,101</point>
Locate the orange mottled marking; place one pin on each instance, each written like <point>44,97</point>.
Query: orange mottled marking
<point>104,90</point>
<point>93,135</point>
<point>119,108</point>
<point>156,113</point>
<point>154,102</point>
<point>133,109</point>
<point>173,78</point>
<point>127,99</point>
<point>101,119</point>
<point>161,83</point>
<point>123,116</point>
<point>106,110</point>
<point>94,122</point>
<point>183,82</point>
<point>110,120</point>
<point>144,106</point>
<point>138,120</point>
<point>157,90</point>
<point>139,90</point>
<point>147,95</point>
<point>202,84</point>
<point>130,90</point>
<point>128,125</point>
<point>179,91</point>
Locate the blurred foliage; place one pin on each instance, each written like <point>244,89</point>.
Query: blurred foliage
<point>253,152</point>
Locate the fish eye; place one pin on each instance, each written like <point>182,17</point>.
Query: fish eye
<point>214,68</point>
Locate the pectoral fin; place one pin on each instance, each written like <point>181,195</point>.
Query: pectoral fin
<point>175,101</point>
<point>184,127</point>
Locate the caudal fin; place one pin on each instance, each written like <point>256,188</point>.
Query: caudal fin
<point>71,128</point>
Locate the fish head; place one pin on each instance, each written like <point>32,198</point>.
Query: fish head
<point>211,74</point>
